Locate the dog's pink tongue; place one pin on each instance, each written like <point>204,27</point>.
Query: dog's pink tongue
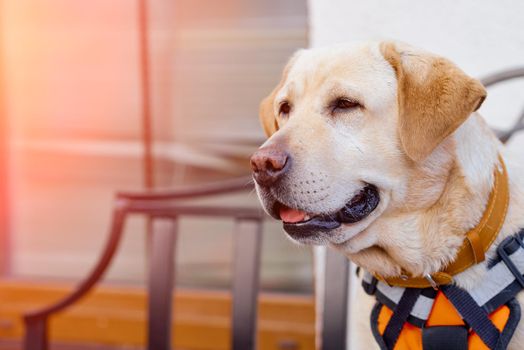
<point>291,215</point>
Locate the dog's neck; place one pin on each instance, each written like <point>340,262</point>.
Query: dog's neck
<point>423,241</point>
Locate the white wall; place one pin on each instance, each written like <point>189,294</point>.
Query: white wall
<point>481,36</point>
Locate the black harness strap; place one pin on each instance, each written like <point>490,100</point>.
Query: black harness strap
<point>475,316</point>
<point>400,316</point>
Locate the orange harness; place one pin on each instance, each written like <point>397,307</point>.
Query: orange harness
<point>442,314</point>
<point>450,318</point>
<point>443,328</point>
<point>430,312</point>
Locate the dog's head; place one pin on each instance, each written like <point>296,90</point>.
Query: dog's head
<point>358,133</point>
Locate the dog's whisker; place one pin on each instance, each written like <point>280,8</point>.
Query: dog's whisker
<point>354,143</point>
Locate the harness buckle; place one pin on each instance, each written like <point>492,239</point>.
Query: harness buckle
<point>431,281</point>
<point>503,254</point>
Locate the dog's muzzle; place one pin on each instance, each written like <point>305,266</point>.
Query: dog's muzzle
<point>271,164</point>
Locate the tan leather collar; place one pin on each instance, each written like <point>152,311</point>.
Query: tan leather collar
<point>477,241</point>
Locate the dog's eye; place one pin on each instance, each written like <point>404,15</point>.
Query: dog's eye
<point>343,104</point>
<point>284,109</point>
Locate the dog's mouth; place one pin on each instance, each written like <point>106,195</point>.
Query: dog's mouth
<point>298,223</point>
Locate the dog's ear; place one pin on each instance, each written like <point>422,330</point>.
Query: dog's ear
<point>267,114</point>
<point>266,110</point>
<point>434,97</point>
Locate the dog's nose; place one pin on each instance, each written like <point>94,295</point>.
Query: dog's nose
<point>269,164</point>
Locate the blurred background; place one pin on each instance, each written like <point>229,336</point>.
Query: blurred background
<point>73,97</point>
<point>75,108</point>
<point>89,107</point>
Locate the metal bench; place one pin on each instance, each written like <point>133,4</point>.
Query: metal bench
<point>163,211</point>
<point>162,208</point>
<point>500,77</point>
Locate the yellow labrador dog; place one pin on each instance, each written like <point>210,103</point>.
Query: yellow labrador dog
<point>376,150</point>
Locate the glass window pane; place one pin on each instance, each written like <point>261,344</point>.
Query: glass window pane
<point>72,82</point>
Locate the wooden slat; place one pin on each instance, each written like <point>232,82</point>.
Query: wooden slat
<point>118,316</point>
